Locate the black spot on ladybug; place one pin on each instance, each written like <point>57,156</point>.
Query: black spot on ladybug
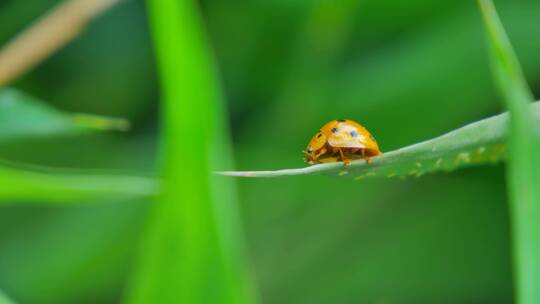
<point>319,135</point>
<point>354,133</point>
<point>341,120</point>
<point>334,130</point>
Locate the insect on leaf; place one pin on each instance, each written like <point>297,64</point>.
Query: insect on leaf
<point>478,143</point>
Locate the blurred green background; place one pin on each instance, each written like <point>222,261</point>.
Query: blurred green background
<point>407,70</point>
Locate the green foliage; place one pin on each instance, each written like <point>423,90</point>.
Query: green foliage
<point>97,240</point>
<point>49,185</point>
<point>524,159</point>
<point>22,116</point>
<point>4,299</point>
<point>407,71</point>
<point>193,250</point>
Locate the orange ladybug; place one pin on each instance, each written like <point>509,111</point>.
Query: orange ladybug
<point>341,140</point>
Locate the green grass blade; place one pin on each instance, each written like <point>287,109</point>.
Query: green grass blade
<point>475,144</point>
<point>22,115</point>
<point>524,159</point>
<point>60,187</point>
<point>193,251</point>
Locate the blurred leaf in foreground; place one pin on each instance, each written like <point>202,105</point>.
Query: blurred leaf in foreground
<point>524,158</point>
<point>193,251</point>
<point>63,186</point>
<point>22,115</point>
<point>79,254</point>
<point>4,299</point>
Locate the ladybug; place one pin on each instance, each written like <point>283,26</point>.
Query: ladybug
<point>341,140</point>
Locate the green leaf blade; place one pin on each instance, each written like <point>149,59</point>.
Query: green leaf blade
<point>524,158</point>
<point>61,187</point>
<point>194,248</point>
<point>22,116</point>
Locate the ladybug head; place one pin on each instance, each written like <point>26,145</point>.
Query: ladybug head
<point>317,142</point>
<point>314,147</point>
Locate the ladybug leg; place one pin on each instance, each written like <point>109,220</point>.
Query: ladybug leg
<point>321,152</point>
<point>346,161</point>
<point>364,156</point>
